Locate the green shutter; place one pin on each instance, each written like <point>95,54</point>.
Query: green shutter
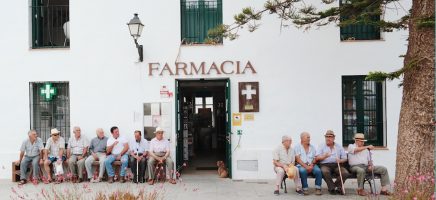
<point>197,17</point>
<point>359,31</point>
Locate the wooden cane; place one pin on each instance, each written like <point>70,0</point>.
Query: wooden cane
<point>340,173</point>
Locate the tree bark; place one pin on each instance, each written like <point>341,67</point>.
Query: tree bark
<point>415,146</point>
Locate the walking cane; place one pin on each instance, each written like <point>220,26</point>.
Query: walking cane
<point>374,192</point>
<point>137,169</point>
<point>340,173</point>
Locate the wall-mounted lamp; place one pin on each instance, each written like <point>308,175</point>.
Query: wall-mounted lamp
<point>135,28</point>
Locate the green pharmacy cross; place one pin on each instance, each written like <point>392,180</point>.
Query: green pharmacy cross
<point>48,91</point>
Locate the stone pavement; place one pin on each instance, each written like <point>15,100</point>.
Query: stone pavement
<point>201,185</point>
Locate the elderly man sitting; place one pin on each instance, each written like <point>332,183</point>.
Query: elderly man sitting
<point>76,154</point>
<point>97,149</point>
<point>54,148</point>
<point>305,156</point>
<point>283,159</point>
<point>329,155</point>
<point>360,162</point>
<point>30,152</point>
<point>160,152</point>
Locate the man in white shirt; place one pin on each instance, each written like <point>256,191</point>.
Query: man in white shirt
<point>77,150</point>
<point>360,163</point>
<point>117,147</point>
<point>283,159</point>
<point>160,152</point>
<point>54,152</point>
<point>138,148</point>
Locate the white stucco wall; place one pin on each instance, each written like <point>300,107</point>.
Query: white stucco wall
<point>299,74</point>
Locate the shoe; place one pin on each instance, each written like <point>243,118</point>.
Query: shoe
<point>122,179</point>
<point>276,192</point>
<point>22,182</point>
<point>339,191</point>
<point>150,182</point>
<point>300,192</point>
<point>361,192</point>
<point>141,181</point>
<point>318,192</point>
<point>79,180</point>
<point>110,179</point>
<point>386,193</point>
<point>332,192</point>
<point>95,180</point>
<point>306,192</point>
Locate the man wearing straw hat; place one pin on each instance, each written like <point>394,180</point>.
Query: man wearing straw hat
<point>283,159</point>
<point>159,152</point>
<point>331,155</point>
<point>360,162</point>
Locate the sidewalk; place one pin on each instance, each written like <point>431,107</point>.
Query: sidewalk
<point>202,185</point>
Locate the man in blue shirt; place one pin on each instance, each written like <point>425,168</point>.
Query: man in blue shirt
<point>329,155</point>
<point>305,157</point>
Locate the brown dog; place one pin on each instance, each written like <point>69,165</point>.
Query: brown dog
<point>222,170</point>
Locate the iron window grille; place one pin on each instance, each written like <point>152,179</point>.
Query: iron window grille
<point>362,110</point>
<point>47,114</point>
<point>50,23</point>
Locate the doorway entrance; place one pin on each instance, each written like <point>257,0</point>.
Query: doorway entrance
<point>202,124</point>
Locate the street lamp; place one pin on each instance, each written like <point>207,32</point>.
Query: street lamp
<point>135,28</point>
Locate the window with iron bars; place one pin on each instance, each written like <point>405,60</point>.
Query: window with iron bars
<point>50,23</point>
<point>362,110</point>
<point>197,17</point>
<point>359,31</point>
<point>53,112</point>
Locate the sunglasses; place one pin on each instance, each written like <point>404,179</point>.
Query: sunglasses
<point>55,134</point>
<point>329,136</point>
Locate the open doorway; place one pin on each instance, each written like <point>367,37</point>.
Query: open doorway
<point>202,123</point>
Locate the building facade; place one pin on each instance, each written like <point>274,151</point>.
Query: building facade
<point>73,63</point>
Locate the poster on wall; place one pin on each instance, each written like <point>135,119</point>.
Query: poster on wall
<point>157,114</point>
<point>248,96</point>
<point>236,119</point>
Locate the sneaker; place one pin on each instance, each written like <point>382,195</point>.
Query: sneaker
<point>276,192</point>
<point>300,192</point>
<point>306,192</point>
<point>95,180</point>
<point>318,192</point>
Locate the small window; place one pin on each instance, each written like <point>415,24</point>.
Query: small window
<point>50,108</point>
<point>362,110</point>
<point>359,31</point>
<point>50,23</point>
<point>197,17</point>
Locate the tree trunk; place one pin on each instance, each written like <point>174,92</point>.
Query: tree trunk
<point>415,147</point>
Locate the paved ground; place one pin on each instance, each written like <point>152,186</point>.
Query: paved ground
<point>201,185</point>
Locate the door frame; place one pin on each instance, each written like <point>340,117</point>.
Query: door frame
<point>179,133</point>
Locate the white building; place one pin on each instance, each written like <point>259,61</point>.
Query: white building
<point>304,80</point>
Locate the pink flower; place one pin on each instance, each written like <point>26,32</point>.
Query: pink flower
<point>415,198</point>
<point>406,191</point>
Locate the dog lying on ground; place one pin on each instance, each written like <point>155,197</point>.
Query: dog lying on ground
<point>222,170</point>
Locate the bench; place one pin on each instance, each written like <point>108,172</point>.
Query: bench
<point>16,169</point>
<point>368,178</point>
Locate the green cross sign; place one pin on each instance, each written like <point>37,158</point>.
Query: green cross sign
<point>47,91</point>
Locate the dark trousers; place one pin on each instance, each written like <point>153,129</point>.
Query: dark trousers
<point>142,166</point>
<point>328,169</point>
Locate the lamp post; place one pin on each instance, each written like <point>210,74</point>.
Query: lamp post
<point>135,28</point>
